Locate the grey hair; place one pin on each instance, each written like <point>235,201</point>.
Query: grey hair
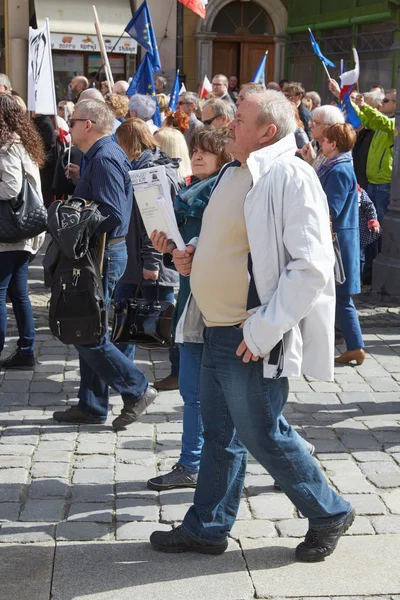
<point>277,110</point>
<point>221,107</point>
<point>90,94</point>
<point>190,97</point>
<point>375,98</point>
<point>392,91</point>
<point>145,106</point>
<point>4,80</point>
<point>97,111</point>
<point>330,115</point>
<point>315,98</point>
<point>162,80</point>
<point>223,77</point>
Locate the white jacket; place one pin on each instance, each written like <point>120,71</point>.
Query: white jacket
<point>288,228</point>
<point>12,156</point>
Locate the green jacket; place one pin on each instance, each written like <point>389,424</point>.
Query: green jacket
<point>380,154</point>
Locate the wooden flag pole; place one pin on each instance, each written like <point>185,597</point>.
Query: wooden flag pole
<point>326,70</point>
<point>103,51</point>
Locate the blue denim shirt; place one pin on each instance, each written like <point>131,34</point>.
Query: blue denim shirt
<point>105,180</point>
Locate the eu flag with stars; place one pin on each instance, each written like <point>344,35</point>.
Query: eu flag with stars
<point>175,93</point>
<point>140,28</point>
<point>350,114</point>
<point>318,52</point>
<point>259,75</point>
<point>143,83</point>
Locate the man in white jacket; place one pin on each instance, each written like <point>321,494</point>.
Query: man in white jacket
<point>262,277</point>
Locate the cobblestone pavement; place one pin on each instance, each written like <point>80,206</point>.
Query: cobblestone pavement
<point>63,487</point>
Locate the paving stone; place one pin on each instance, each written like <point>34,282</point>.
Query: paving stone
<point>17,532</point>
<point>336,456</point>
<point>137,509</point>
<point>292,527</point>
<point>22,462</point>
<point>392,501</point>
<point>94,462</point>
<point>95,448</point>
<point>386,524</point>
<point>271,506</point>
<point>43,488</point>
<point>366,504</point>
<point>352,485</point>
<point>13,398</point>
<point>356,397</point>
<point>341,467</point>
<point>96,512</point>
<point>319,433</point>
<point>25,571</point>
<point>48,456</point>
<point>128,472</point>
<point>93,476</point>
<point>390,480</point>
<point>396,457</point>
<point>318,398</point>
<point>13,476</point>
<point>9,440</point>
<point>361,526</point>
<point>50,469</point>
<point>376,468</point>
<point>43,510</point>
<point>23,387</point>
<point>382,384</point>
<point>9,511</point>
<point>136,444</point>
<point>78,531</point>
<point>371,456</point>
<point>329,446</point>
<point>93,493</point>
<point>253,529</point>
<point>134,489</point>
<point>11,492</point>
<point>359,441</point>
<point>355,387</point>
<point>45,387</point>
<point>139,530</point>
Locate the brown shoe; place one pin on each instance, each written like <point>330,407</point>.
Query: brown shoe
<point>167,384</point>
<point>350,355</point>
<point>132,410</point>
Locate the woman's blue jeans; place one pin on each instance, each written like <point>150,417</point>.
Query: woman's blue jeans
<point>347,321</point>
<point>103,366</point>
<point>148,292</point>
<point>14,278</point>
<point>235,398</point>
<point>189,387</point>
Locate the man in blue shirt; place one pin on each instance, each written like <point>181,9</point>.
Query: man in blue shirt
<point>105,180</point>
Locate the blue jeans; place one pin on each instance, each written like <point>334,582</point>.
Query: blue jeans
<point>347,320</point>
<point>189,387</point>
<point>148,292</point>
<point>380,196</point>
<point>103,366</point>
<point>14,277</point>
<point>235,398</point>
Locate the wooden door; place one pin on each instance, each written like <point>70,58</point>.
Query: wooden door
<point>225,58</point>
<point>251,54</point>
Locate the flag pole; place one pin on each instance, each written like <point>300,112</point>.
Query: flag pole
<point>103,52</point>
<point>326,70</point>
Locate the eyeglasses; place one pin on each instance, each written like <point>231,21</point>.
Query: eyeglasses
<point>209,121</point>
<point>72,122</point>
<point>289,96</point>
<point>181,102</point>
<point>61,107</point>
<point>386,100</point>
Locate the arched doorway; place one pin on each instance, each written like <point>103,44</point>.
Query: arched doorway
<point>245,32</point>
<point>235,34</point>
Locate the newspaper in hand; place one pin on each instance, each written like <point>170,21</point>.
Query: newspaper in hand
<point>153,197</point>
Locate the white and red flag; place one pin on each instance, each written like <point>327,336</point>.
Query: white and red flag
<point>206,88</point>
<point>349,79</point>
<point>197,6</point>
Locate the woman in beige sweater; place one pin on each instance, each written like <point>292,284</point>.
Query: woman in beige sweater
<point>21,150</point>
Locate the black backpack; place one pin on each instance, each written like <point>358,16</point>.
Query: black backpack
<point>78,312</point>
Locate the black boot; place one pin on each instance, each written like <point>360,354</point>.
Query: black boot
<point>20,361</point>
<point>320,543</point>
<point>177,540</point>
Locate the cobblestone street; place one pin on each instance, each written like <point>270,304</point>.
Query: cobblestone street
<point>75,512</point>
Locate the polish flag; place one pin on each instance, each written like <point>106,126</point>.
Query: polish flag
<point>64,136</point>
<point>197,6</point>
<point>349,79</point>
<point>206,88</point>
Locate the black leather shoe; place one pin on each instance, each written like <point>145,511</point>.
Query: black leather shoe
<point>75,415</point>
<point>179,477</point>
<point>320,543</point>
<point>177,540</point>
<point>132,411</point>
<point>18,361</point>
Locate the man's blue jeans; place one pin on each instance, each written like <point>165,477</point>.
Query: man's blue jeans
<point>189,387</point>
<point>236,399</point>
<point>14,278</point>
<point>103,366</point>
<point>380,196</point>
<point>148,292</point>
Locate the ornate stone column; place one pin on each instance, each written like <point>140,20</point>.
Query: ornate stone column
<point>279,66</point>
<point>204,54</point>
<point>386,267</point>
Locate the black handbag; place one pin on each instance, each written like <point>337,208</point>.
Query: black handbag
<point>338,269</point>
<point>23,217</point>
<point>145,323</point>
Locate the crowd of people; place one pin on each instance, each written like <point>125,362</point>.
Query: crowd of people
<point>262,179</point>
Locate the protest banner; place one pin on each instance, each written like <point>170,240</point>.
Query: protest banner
<point>41,91</point>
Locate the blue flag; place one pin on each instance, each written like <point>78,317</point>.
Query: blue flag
<point>259,75</point>
<point>143,83</point>
<point>350,114</point>
<point>175,93</point>
<point>140,28</point>
<point>318,52</point>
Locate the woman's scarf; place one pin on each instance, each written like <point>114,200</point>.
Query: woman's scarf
<point>328,165</point>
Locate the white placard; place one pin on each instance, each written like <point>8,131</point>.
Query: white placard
<point>41,91</point>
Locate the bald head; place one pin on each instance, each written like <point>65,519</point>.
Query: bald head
<point>120,87</point>
<point>92,94</point>
<point>77,85</point>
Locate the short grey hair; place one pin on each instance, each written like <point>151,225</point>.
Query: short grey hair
<point>91,94</point>
<point>191,98</point>
<point>145,106</point>
<point>100,112</point>
<point>223,77</point>
<point>314,97</point>
<point>4,80</point>
<point>374,98</point>
<point>221,107</point>
<point>161,80</point>
<point>330,115</point>
<point>277,110</point>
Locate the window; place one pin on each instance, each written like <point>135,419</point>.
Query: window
<point>243,18</point>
